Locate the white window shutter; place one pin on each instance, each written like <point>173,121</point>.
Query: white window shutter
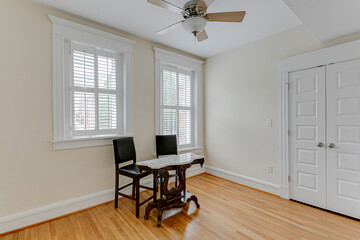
<point>176,106</point>
<point>169,88</point>
<point>107,72</point>
<point>84,111</point>
<point>169,122</point>
<point>84,69</point>
<point>107,111</point>
<point>184,90</point>
<point>94,92</point>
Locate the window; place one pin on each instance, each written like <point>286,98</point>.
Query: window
<point>178,99</point>
<point>94,92</point>
<point>176,107</point>
<point>91,85</point>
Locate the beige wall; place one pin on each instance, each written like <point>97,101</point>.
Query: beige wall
<point>31,173</point>
<point>242,90</point>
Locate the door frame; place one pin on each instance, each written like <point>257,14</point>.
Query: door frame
<point>339,53</point>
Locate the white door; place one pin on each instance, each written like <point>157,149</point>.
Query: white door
<point>343,130</point>
<point>307,136</point>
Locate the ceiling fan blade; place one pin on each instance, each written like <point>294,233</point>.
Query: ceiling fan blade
<point>226,16</point>
<point>202,36</point>
<point>204,4</point>
<point>167,5</point>
<point>169,28</point>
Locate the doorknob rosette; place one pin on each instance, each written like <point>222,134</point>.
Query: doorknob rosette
<point>320,144</point>
<point>331,145</point>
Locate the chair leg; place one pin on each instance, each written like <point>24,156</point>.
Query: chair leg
<point>133,188</point>
<point>116,190</point>
<point>137,195</point>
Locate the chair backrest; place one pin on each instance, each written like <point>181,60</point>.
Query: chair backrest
<point>124,149</point>
<point>166,145</point>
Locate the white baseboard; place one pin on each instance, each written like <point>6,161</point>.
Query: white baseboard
<point>244,180</point>
<point>41,214</point>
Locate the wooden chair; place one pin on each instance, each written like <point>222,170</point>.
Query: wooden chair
<point>124,150</point>
<point>167,145</point>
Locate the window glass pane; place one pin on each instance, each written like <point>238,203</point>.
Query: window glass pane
<point>184,90</point>
<point>169,121</point>
<point>107,111</point>
<point>107,73</point>
<point>184,127</point>
<point>83,69</point>
<point>169,88</point>
<point>84,111</point>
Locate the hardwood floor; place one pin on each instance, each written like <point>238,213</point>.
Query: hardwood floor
<point>228,211</point>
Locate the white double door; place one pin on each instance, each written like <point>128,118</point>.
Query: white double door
<point>324,141</point>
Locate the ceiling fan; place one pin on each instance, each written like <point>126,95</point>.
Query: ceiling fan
<point>196,17</point>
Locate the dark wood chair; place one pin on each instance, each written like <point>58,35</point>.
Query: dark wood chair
<point>167,145</point>
<point>124,150</point>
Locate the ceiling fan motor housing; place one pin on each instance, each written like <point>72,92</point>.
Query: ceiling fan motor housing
<point>191,10</point>
<point>191,4</point>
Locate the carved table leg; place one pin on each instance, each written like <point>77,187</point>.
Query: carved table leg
<point>195,199</point>
<point>176,197</point>
<point>159,216</point>
<point>148,209</point>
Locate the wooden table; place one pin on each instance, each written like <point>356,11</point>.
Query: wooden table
<point>178,196</point>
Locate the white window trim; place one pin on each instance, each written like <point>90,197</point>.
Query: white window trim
<point>64,30</point>
<point>163,57</point>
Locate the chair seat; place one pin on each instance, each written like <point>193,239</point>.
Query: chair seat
<point>132,171</point>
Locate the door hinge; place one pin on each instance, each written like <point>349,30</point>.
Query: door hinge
<point>288,178</point>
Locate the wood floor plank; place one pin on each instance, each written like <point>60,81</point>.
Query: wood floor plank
<point>228,211</point>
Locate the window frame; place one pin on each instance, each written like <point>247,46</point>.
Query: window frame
<point>169,60</point>
<point>66,36</point>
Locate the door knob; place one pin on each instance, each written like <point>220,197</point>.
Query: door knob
<point>320,144</point>
<point>331,145</point>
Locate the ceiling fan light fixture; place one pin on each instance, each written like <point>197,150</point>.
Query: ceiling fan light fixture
<point>194,25</point>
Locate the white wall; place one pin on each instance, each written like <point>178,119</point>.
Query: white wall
<point>242,90</point>
<point>31,173</point>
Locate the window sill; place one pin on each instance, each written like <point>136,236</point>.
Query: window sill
<point>81,142</point>
<point>191,149</point>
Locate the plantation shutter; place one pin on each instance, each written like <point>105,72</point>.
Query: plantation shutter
<point>176,106</point>
<point>107,99</point>
<point>169,102</point>
<point>94,92</point>
<point>83,95</point>
<point>184,109</point>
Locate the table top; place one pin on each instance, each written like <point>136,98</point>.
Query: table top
<point>172,160</point>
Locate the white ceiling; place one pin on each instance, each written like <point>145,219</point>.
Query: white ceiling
<point>264,18</point>
<point>328,19</point>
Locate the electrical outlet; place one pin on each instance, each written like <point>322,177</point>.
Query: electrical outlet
<point>269,168</point>
<point>269,122</point>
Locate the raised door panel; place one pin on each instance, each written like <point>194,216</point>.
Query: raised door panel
<point>307,129</point>
<point>343,130</point>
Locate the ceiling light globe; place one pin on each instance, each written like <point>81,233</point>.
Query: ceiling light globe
<point>194,25</point>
